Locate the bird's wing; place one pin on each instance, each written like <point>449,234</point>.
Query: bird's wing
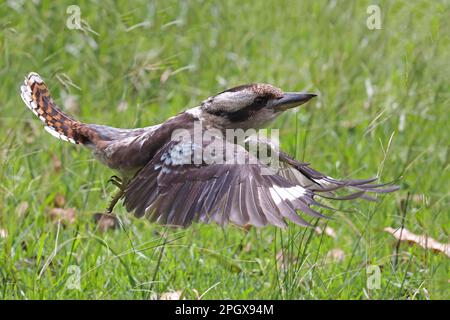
<point>328,187</point>
<point>300,173</point>
<point>176,187</point>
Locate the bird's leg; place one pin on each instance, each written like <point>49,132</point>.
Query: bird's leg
<point>114,200</point>
<point>119,183</point>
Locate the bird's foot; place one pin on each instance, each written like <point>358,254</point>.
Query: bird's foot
<point>118,182</point>
<point>115,199</point>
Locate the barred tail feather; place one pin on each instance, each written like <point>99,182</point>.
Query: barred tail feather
<point>37,98</point>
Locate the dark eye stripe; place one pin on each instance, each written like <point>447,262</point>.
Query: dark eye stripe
<point>244,113</point>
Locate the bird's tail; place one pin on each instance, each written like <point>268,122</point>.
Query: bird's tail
<point>35,94</point>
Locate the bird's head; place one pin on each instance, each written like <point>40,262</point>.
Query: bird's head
<point>251,105</point>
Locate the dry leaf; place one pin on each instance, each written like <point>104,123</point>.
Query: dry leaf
<point>335,255</point>
<point>165,76</point>
<point>328,231</point>
<point>22,208</point>
<point>247,247</point>
<point>421,240</point>
<point>123,106</point>
<point>3,233</point>
<point>59,201</point>
<point>175,295</point>
<point>66,216</point>
<point>106,221</point>
<point>197,294</point>
<point>416,198</point>
<point>279,256</point>
<point>57,165</point>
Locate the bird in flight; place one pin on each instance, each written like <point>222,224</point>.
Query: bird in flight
<point>166,175</point>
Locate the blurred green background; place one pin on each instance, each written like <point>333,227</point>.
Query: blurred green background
<point>383,108</point>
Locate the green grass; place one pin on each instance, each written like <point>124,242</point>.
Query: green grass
<point>183,53</point>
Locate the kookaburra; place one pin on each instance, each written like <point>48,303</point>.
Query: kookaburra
<point>166,177</point>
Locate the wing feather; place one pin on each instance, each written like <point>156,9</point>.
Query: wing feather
<point>178,193</point>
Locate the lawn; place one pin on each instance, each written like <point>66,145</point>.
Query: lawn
<point>383,109</point>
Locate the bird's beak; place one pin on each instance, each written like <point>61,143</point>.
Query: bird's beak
<point>292,99</point>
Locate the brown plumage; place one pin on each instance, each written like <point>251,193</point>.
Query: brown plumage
<point>164,181</point>
<point>37,97</point>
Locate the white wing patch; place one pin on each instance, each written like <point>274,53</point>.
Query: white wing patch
<point>280,194</point>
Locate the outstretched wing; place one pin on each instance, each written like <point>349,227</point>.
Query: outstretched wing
<point>300,173</point>
<point>328,187</point>
<point>229,186</point>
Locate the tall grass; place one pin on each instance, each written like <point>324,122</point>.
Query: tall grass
<point>382,109</point>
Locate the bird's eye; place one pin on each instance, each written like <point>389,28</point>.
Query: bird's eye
<point>259,100</point>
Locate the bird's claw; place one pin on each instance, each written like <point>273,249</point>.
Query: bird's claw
<point>114,200</point>
<point>115,180</point>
